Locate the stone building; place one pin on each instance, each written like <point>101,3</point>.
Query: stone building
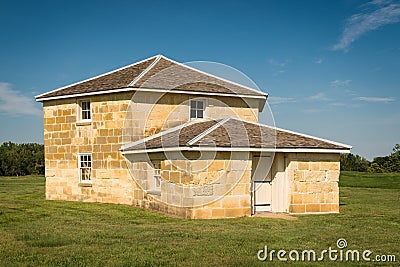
<point>164,136</point>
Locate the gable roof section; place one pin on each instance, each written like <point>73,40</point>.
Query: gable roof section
<point>230,134</point>
<point>157,73</point>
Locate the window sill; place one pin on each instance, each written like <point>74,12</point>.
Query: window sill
<point>83,123</point>
<point>154,192</point>
<point>85,184</point>
<point>198,119</point>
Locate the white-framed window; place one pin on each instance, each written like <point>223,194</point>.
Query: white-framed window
<point>84,111</point>
<point>85,167</point>
<point>197,108</point>
<point>157,174</point>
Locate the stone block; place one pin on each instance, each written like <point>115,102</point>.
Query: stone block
<point>221,189</point>
<point>175,177</point>
<point>297,208</point>
<point>299,187</point>
<point>330,166</point>
<point>313,208</point>
<point>230,202</point>
<point>310,198</point>
<point>205,190</point>
<point>299,176</point>
<point>217,213</point>
<point>198,166</point>
<point>201,213</point>
<point>335,207</point>
<point>187,202</point>
<point>315,176</point>
<point>105,148</point>
<point>326,208</point>
<point>235,212</point>
<point>333,176</point>
<point>297,199</point>
<point>314,166</point>
<point>335,197</point>
<point>329,197</point>
<point>216,165</point>
<point>245,201</point>
<point>186,178</point>
<point>303,166</point>
<point>241,189</point>
<point>60,119</point>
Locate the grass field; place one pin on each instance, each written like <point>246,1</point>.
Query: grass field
<point>36,232</point>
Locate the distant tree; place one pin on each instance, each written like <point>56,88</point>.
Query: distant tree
<point>393,164</point>
<point>375,168</point>
<point>390,163</point>
<point>351,162</point>
<point>21,159</point>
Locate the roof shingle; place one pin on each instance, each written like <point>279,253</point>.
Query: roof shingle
<point>232,133</point>
<point>157,72</point>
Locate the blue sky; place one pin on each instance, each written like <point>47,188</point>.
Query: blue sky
<point>331,68</point>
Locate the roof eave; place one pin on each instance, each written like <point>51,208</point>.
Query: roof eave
<point>39,98</point>
<point>237,149</point>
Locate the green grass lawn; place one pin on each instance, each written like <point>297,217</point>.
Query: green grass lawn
<point>36,232</point>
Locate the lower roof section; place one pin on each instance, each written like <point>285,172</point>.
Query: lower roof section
<point>232,134</point>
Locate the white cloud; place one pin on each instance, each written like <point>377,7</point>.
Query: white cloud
<point>338,104</point>
<point>376,14</point>
<point>319,96</point>
<point>273,100</point>
<point>276,63</point>
<point>319,61</point>
<point>340,83</point>
<point>375,99</point>
<point>16,104</point>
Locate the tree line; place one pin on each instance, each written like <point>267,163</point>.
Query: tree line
<point>390,163</point>
<point>21,159</point>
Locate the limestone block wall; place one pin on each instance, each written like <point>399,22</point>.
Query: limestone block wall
<point>215,186</point>
<point>65,137</point>
<point>245,109</point>
<point>313,179</point>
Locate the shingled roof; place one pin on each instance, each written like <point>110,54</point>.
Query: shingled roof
<point>157,73</point>
<point>230,134</point>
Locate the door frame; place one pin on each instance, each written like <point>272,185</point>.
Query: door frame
<point>267,179</point>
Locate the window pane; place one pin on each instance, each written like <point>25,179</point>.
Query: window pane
<point>200,113</point>
<point>85,174</point>
<point>88,115</point>
<point>192,113</point>
<point>199,104</point>
<point>193,104</point>
<point>85,167</point>
<point>85,110</point>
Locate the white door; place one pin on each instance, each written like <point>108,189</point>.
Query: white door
<point>261,184</point>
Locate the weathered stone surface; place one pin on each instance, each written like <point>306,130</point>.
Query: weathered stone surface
<point>314,179</point>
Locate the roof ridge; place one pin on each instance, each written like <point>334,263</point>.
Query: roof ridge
<point>214,76</point>
<point>135,80</point>
<point>95,77</point>
<point>207,131</point>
